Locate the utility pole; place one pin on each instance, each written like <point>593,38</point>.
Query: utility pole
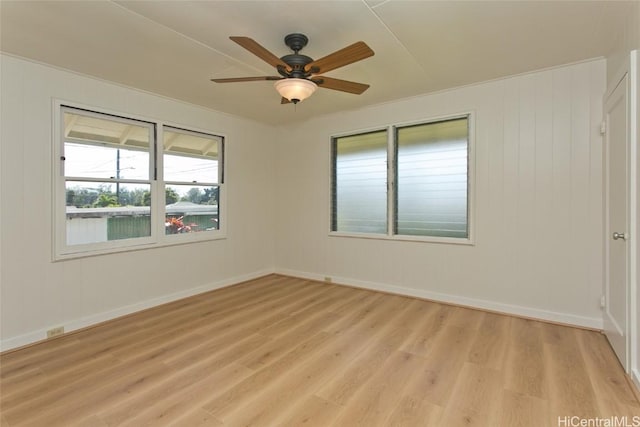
<point>118,175</point>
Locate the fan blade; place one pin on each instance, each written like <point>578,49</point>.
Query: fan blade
<point>340,58</point>
<point>341,85</point>
<point>246,79</point>
<point>259,51</point>
<point>284,101</point>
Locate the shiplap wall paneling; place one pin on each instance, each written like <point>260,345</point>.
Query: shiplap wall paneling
<point>38,294</point>
<point>537,214</point>
<point>543,154</point>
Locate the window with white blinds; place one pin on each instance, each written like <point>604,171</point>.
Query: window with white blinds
<point>413,185</point>
<point>432,179</point>
<point>360,183</point>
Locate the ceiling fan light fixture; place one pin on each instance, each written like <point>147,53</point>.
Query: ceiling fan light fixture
<point>295,90</point>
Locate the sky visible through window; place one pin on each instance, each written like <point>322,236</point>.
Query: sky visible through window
<point>91,161</point>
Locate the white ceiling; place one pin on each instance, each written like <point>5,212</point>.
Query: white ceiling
<point>174,48</point>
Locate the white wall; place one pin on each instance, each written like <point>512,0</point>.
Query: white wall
<point>538,213</point>
<point>538,216</point>
<point>37,294</point>
<point>627,39</point>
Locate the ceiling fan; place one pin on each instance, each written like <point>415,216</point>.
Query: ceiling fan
<point>299,74</point>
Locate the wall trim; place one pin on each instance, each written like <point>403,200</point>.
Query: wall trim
<point>635,378</point>
<point>94,319</point>
<point>516,310</point>
<point>634,206</point>
<point>521,311</point>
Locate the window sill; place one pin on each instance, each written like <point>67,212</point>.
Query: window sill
<point>401,238</point>
<point>172,240</point>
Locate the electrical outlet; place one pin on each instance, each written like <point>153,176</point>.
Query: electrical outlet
<point>603,301</point>
<point>54,332</point>
<point>328,279</point>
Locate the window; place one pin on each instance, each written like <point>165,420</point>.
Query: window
<point>117,189</point>
<point>414,185</point>
<point>191,176</point>
<point>360,183</point>
<point>432,179</point>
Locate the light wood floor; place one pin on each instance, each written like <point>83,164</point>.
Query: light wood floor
<point>280,351</point>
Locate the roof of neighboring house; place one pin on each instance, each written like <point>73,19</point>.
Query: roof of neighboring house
<point>179,208</point>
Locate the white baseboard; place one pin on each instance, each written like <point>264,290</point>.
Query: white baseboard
<point>75,324</point>
<point>635,377</point>
<point>535,313</point>
<point>529,312</point>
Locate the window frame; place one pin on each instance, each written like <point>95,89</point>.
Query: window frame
<point>62,251</point>
<point>334,171</point>
<point>391,130</point>
<point>188,237</point>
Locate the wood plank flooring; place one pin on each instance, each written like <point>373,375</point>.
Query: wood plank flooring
<point>280,351</point>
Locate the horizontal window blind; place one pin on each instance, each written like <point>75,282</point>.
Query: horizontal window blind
<point>408,181</point>
<point>360,183</point>
<point>432,179</point>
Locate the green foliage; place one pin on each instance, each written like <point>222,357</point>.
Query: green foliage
<point>106,200</point>
<point>102,196</point>
<point>132,198</point>
<point>208,196</point>
<point>211,195</point>
<point>81,197</point>
<point>194,195</point>
<point>170,196</point>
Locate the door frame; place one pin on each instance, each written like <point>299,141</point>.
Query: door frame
<point>630,70</point>
<point>634,212</point>
<point>617,93</point>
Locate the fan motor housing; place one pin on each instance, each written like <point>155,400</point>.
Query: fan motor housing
<point>296,41</point>
<point>296,61</point>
